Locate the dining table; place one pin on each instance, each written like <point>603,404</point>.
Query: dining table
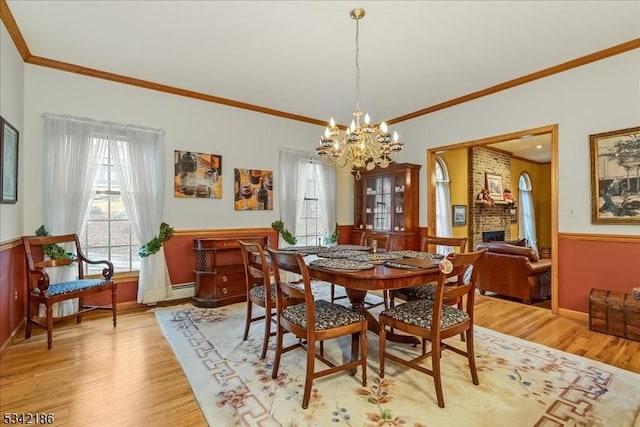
<point>359,282</point>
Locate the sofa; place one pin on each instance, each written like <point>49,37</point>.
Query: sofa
<point>514,271</point>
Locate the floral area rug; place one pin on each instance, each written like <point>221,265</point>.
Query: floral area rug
<point>521,383</point>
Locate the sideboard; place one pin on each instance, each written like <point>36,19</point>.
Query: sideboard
<point>219,269</point>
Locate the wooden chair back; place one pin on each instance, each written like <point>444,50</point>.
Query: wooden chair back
<point>256,267</point>
<point>383,240</point>
<point>430,243</point>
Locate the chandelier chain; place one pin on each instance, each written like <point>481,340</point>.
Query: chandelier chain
<point>358,64</point>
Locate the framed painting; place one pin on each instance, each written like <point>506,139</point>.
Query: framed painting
<point>197,175</point>
<point>459,214</point>
<point>8,162</point>
<point>494,186</point>
<point>615,177</point>
<point>253,189</point>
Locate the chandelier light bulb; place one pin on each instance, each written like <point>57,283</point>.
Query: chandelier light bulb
<point>332,123</point>
<point>353,126</point>
<point>395,136</point>
<point>327,133</point>
<point>366,119</point>
<point>383,127</point>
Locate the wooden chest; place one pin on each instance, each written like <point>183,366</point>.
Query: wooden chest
<point>614,313</point>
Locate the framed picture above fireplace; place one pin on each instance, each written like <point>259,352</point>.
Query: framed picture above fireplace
<point>494,186</point>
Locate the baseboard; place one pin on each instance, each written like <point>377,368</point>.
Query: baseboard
<point>9,340</point>
<point>571,314</point>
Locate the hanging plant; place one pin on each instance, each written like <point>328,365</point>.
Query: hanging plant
<point>53,251</point>
<point>286,235</point>
<point>154,245</point>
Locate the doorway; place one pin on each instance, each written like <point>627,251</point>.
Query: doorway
<point>503,143</point>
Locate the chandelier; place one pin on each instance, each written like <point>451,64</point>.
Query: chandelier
<point>362,144</point>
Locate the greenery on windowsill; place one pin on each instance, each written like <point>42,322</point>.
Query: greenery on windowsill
<point>154,245</point>
<point>53,251</point>
<point>286,235</point>
<point>334,237</point>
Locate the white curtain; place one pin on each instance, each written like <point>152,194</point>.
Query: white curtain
<point>69,170</point>
<point>292,188</point>
<point>327,188</point>
<point>443,207</point>
<point>527,227</point>
<point>73,146</point>
<point>143,199</point>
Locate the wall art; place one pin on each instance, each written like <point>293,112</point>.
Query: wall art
<point>197,175</point>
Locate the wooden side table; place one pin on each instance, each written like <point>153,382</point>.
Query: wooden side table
<point>219,270</point>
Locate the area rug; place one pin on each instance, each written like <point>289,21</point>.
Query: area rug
<point>521,383</point>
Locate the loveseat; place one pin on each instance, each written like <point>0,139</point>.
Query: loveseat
<point>514,271</point>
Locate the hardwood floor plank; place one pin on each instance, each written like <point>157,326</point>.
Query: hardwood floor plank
<point>128,376</point>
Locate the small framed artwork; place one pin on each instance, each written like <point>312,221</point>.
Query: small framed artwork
<point>459,214</point>
<point>8,162</point>
<point>494,186</point>
<point>615,185</point>
<point>253,189</point>
<point>197,175</point>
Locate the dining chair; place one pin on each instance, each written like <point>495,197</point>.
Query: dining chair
<point>434,320</point>
<point>427,290</point>
<point>42,265</point>
<point>382,242</point>
<point>260,290</point>
<point>313,321</point>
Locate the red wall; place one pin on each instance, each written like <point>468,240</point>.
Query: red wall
<point>585,262</point>
<point>595,262</point>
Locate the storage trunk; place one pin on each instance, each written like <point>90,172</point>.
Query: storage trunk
<point>614,313</point>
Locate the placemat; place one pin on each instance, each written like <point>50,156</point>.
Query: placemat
<point>421,255</point>
<point>341,264</point>
<point>339,254</point>
<point>412,263</point>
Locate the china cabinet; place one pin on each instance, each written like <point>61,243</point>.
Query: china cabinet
<point>386,201</point>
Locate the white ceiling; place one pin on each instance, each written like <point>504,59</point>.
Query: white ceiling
<point>299,56</point>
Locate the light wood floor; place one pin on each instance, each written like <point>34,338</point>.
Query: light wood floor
<point>96,375</point>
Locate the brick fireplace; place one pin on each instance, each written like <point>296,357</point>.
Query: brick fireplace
<point>484,218</point>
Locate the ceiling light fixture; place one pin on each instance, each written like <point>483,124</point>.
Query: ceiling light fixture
<point>363,145</point>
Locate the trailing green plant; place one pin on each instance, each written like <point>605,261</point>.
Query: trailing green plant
<point>54,251</point>
<point>334,237</point>
<point>154,245</point>
<point>286,235</point>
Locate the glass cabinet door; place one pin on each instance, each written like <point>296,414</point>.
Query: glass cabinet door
<point>378,203</point>
<point>398,203</point>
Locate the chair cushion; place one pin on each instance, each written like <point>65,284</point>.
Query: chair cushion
<point>258,292</point>
<point>72,286</point>
<point>424,291</point>
<point>328,315</point>
<point>420,313</point>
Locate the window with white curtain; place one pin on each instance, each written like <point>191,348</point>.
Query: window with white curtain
<point>307,197</point>
<point>310,228</point>
<point>527,226</point>
<point>107,231</point>
<point>443,204</point>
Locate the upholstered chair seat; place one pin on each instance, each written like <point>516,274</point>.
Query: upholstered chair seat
<point>420,313</point>
<point>328,315</point>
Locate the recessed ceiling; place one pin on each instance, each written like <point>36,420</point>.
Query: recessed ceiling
<point>299,56</point>
<point>536,148</point>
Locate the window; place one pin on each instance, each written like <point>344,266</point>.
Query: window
<point>107,232</point>
<point>527,226</point>
<point>310,229</point>
<point>443,202</point>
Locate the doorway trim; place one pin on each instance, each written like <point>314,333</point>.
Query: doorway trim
<point>550,129</point>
